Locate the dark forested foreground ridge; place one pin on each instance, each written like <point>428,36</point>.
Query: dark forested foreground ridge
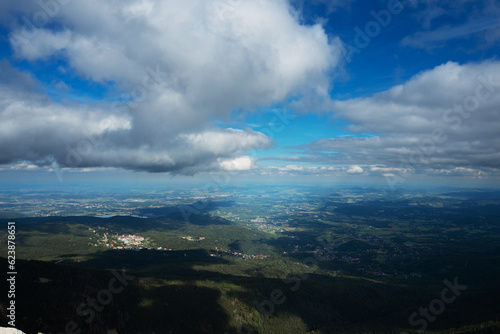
<point>254,260</point>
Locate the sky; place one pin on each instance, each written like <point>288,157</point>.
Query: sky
<point>328,92</point>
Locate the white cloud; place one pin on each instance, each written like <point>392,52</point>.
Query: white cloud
<point>355,169</point>
<point>179,65</point>
<point>446,117</point>
<point>253,53</point>
<point>238,164</point>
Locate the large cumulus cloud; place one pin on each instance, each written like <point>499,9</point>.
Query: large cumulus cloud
<point>446,118</point>
<point>178,66</point>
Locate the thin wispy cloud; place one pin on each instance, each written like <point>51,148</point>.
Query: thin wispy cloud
<point>429,39</point>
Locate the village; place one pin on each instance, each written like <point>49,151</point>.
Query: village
<point>229,253</point>
<point>104,238</point>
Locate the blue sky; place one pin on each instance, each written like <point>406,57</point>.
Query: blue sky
<point>389,92</point>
